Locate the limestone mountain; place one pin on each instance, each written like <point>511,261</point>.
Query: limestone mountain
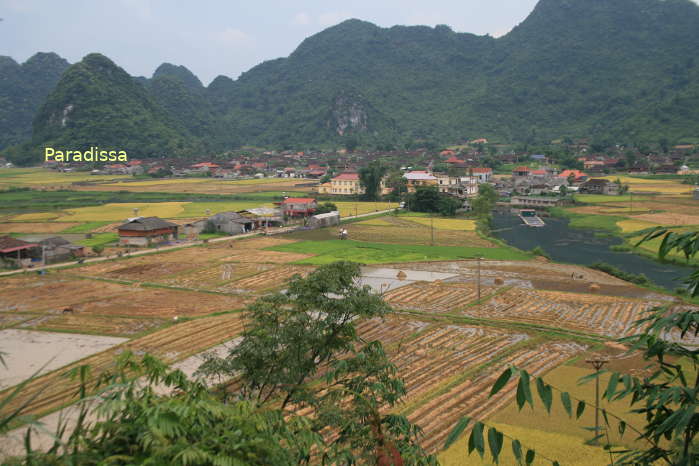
<point>23,88</point>
<point>96,103</point>
<point>624,70</point>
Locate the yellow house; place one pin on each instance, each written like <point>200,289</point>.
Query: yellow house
<point>348,184</point>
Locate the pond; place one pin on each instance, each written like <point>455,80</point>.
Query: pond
<point>583,247</point>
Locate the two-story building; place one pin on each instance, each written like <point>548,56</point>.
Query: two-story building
<point>144,231</point>
<point>346,184</point>
<point>298,206</point>
<point>416,179</point>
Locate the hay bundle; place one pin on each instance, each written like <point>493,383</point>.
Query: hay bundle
<point>594,287</point>
<point>401,275</point>
<point>499,281</point>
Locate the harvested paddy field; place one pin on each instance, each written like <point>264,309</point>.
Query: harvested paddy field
<point>435,297</point>
<point>269,280</point>
<point>603,315</point>
<point>214,277</point>
<point>51,294</point>
<point>161,302</point>
<point>93,325</point>
<point>199,186</point>
<point>55,390</point>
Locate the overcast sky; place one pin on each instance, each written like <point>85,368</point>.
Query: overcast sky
<point>212,37</point>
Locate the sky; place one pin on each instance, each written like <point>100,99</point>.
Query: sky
<point>213,37</point>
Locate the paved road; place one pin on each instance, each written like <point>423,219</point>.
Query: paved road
<point>188,244</point>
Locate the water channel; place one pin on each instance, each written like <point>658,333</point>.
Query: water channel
<point>583,247</point>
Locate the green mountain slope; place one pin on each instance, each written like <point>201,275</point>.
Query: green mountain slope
<point>96,103</point>
<point>23,88</point>
<point>626,70</point>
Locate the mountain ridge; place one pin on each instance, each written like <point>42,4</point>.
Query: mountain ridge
<point>620,69</point>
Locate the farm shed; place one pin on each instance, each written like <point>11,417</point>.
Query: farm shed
<point>324,220</point>
<point>57,249</point>
<point>599,186</point>
<point>264,216</point>
<point>144,231</point>
<point>16,252</point>
<point>231,223</point>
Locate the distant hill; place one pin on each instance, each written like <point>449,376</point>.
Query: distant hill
<point>96,103</point>
<point>626,70</point>
<point>23,88</point>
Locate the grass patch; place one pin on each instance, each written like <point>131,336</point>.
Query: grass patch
<point>85,227</point>
<point>592,221</point>
<point>379,253</point>
<point>100,239</point>
<point>446,223</point>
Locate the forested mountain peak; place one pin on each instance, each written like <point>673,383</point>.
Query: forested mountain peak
<point>181,73</point>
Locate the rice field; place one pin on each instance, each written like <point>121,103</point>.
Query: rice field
<point>445,223</point>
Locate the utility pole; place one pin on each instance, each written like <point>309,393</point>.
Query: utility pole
<point>597,363</point>
<point>432,229</point>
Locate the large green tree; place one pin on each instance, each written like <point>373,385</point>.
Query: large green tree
<point>370,178</point>
<point>307,331</point>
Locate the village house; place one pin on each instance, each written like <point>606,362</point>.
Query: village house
<point>17,253</point>
<point>419,178</point>
<point>520,172</point>
<point>145,231</point>
<point>346,184</point>
<point>324,220</point>
<point>204,166</point>
<point>298,206</point>
<point>599,186</point>
<point>576,175</point>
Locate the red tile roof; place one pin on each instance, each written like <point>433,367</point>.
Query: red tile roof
<point>10,244</point>
<point>205,164</point>
<point>577,173</point>
<point>538,172</point>
<point>521,169</point>
<point>347,176</point>
<point>481,170</point>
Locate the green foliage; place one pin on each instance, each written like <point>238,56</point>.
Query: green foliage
<point>667,399</point>
<point>326,207</point>
<point>292,335</point>
<point>562,71</point>
<point>23,88</point>
<point>484,203</point>
<point>429,199</point>
<point>370,179</point>
<point>639,279</point>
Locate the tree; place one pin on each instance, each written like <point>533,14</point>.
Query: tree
<point>398,185</point>
<point>563,190</point>
<point>310,328</point>
<point>370,178</point>
<point>667,399</point>
<point>484,203</point>
<point>326,207</point>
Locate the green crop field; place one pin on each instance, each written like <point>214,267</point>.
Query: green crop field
<point>379,253</point>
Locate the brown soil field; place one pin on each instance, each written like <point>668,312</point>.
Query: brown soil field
<point>212,277</point>
<point>51,294</point>
<point>271,279</point>
<point>403,231</point>
<point>113,326</point>
<point>10,320</point>
<point>54,390</point>
<point>258,242</point>
<point>34,228</point>
<point>157,302</point>
<point>668,218</point>
<point>264,257</point>
<point>141,268</point>
<point>435,297</point>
